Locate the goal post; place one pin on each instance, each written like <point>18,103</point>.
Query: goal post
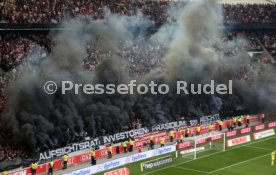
<point>209,143</point>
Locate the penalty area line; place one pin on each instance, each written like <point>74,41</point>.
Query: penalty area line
<point>255,158</point>
<point>259,148</point>
<point>184,168</point>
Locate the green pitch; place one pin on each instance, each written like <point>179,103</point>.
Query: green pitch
<point>253,158</point>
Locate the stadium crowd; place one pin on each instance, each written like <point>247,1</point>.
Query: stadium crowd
<point>9,150</point>
<point>233,41</point>
<point>269,41</point>
<point>53,11</point>
<point>21,49</point>
<point>250,13</point>
<point>17,49</point>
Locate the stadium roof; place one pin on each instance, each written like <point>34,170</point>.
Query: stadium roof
<point>247,1</point>
<point>235,1</point>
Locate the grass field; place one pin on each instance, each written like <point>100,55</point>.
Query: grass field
<point>253,158</point>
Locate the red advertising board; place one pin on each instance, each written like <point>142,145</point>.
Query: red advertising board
<point>245,130</point>
<point>149,134</point>
<point>140,143</point>
<point>121,171</point>
<point>200,141</point>
<point>231,133</point>
<point>183,145</point>
<point>21,172</point>
<point>272,124</point>
<point>216,137</point>
<point>259,127</point>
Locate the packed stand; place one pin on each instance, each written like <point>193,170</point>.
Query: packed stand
<point>3,87</point>
<point>9,150</point>
<point>251,41</point>
<point>233,42</point>
<point>250,13</point>
<point>140,56</point>
<point>269,41</point>
<point>14,49</point>
<point>52,11</point>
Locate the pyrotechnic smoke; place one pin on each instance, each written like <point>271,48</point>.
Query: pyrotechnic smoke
<point>193,54</point>
<point>36,118</point>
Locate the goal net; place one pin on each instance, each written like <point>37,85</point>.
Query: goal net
<point>202,145</point>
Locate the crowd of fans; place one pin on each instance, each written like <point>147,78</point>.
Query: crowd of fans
<point>14,49</point>
<point>269,41</point>
<point>53,11</point>
<point>142,57</point>
<point>9,150</point>
<point>250,13</point>
<point>3,86</point>
<point>232,42</point>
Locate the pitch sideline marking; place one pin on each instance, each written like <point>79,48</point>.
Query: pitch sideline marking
<point>259,148</point>
<point>184,168</point>
<point>238,163</point>
<point>209,155</point>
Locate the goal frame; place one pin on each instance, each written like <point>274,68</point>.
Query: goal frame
<point>210,136</point>
<point>206,136</point>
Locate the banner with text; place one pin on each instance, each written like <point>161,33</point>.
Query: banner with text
<point>156,163</point>
<point>263,134</point>
<point>238,141</point>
